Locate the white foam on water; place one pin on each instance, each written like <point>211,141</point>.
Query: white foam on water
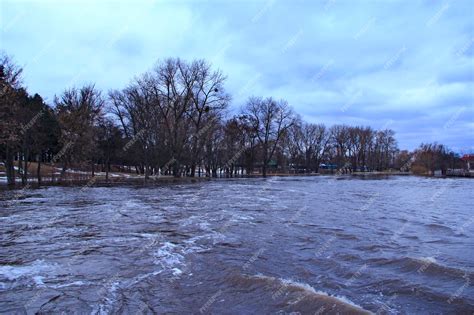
<point>39,281</point>
<point>346,300</point>
<point>144,235</point>
<point>107,302</point>
<point>29,271</point>
<point>193,239</point>
<point>302,285</point>
<point>190,220</point>
<point>171,256</point>
<point>431,260</point>
<point>74,283</point>
<point>37,272</point>
<point>168,255</point>
<point>204,226</point>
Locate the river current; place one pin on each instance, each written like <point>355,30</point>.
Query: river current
<point>281,245</point>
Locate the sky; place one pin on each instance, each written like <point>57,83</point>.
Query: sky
<point>406,65</point>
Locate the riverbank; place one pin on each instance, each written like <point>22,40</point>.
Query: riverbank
<point>100,181</point>
<point>75,179</point>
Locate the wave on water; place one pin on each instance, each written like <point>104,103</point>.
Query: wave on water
<point>439,227</point>
<point>108,302</point>
<point>295,296</point>
<point>171,256</point>
<point>424,265</point>
<point>34,272</point>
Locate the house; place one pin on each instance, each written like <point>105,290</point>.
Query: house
<point>469,159</point>
<point>328,166</point>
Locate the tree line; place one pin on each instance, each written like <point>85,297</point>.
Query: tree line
<point>175,120</point>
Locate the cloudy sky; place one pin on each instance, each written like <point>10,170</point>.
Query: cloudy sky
<point>405,65</point>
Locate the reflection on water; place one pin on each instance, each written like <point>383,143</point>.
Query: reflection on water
<point>277,245</point>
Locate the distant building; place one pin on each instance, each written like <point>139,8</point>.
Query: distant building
<point>469,159</point>
<point>328,166</point>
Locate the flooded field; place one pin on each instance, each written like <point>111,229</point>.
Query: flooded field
<point>277,245</point>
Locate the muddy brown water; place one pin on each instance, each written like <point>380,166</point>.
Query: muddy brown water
<point>313,245</point>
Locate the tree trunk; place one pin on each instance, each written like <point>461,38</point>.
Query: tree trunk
<point>264,169</point>
<point>24,175</point>
<point>265,161</point>
<point>193,170</point>
<point>307,162</point>
<point>107,169</point>
<point>63,171</point>
<point>147,171</point>
<point>176,171</point>
<point>38,170</point>
<point>52,172</point>
<point>10,170</point>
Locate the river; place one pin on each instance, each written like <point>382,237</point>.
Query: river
<point>313,245</point>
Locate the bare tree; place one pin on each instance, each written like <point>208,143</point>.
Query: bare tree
<point>385,149</point>
<point>10,97</point>
<point>270,120</point>
<point>430,157</point>
<point>308,143</point>
<point>173,107</point>
<point>209,99</point>
<point>340,142</point>
<point>78,112</point>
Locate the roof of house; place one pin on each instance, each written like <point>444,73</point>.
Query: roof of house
<point>468,157</point>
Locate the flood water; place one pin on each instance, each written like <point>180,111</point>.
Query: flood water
<point>313,245</point>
